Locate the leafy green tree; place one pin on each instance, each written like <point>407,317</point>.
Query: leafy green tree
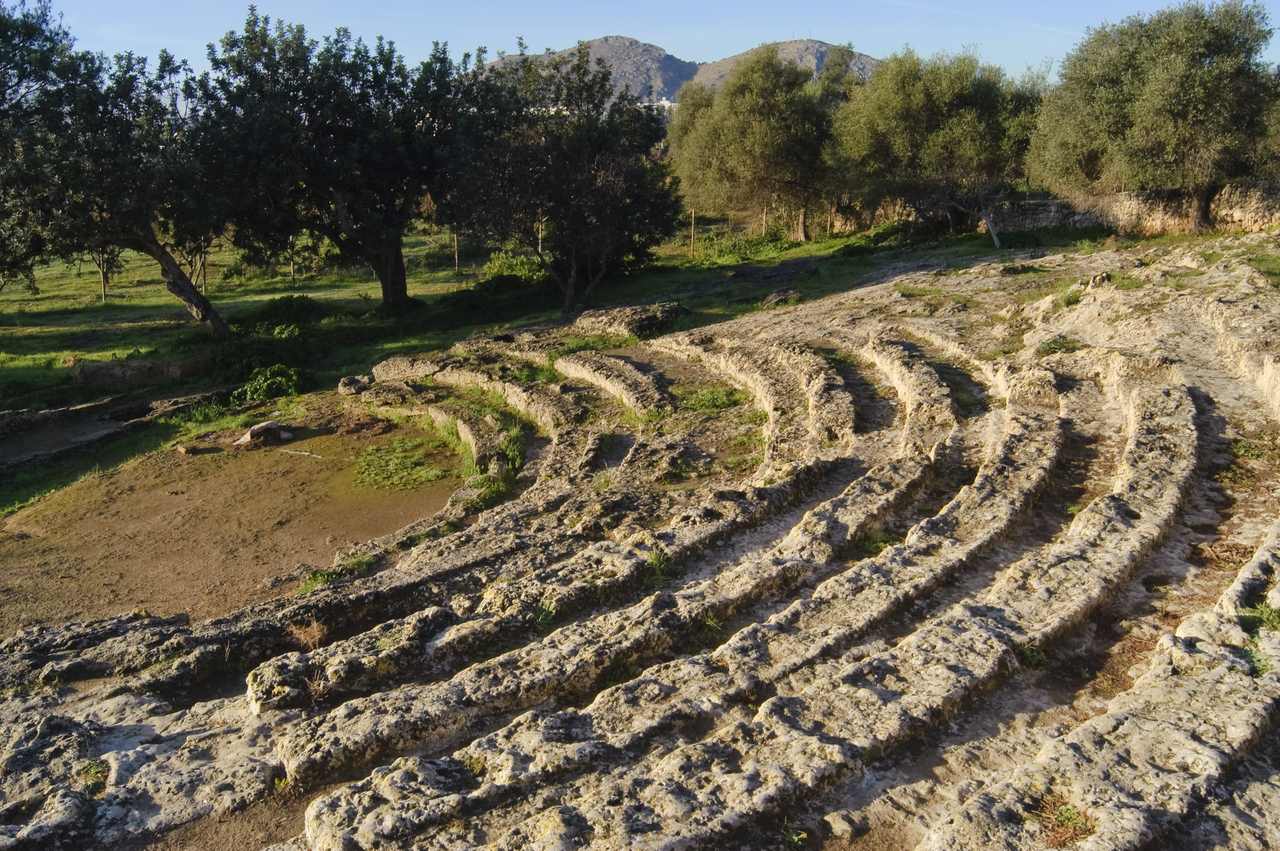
<point>833,83</point>
<point>1174,101</point>
<point>756,143</point>
<point>111,157</point>
<point>946,135</point>
<point>555,163</point>
<point>35,54</point>
<point>338,139</point>
<point>109,261</point>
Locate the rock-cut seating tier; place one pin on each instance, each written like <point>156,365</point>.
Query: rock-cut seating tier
<point>557,664</point>
<point>800,394</point>
<point>1209,696</point>
<point>1162,746</point>
<point>872,704</point>
<point>542,747</point>
<point>617,377</point>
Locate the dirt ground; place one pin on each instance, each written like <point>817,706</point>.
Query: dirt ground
<point>202,534</point>
<point>257,826</point>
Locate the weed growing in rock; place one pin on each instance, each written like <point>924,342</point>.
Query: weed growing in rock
<point>1259,664</point>
<point>352,567</point>
<point>1064,824</point>
<point>309,635</point>
<point>544,617</point>
<point>1031,656</point>
<point>1061,344</point>
<point>1071,297</point>
<point>870,543</point>
<point>93,775</point>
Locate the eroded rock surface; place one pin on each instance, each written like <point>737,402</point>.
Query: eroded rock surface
<point>948,561</point>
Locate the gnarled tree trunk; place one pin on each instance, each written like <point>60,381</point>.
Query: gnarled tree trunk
<point>177,282</point>
<point>1204,207</point>
<point>389,267</point>
<point>989,221</point>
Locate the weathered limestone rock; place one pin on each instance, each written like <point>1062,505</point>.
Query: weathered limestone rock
<point>637,645</point>
<point>642,322</point>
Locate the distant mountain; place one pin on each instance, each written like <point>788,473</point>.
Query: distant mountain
<point>806,52</point>
<point>653,73</point>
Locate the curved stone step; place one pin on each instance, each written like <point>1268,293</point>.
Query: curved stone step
<point>796,743</point>
<point>622,717</point>
<point>1251,359</point>
<point>1161,748</point>
<point>617,377</point>
<point>776,391</point>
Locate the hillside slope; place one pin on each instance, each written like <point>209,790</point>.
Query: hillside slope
<point>655,74</point>
<point>806,52</point>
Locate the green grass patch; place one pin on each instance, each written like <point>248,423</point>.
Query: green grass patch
<point>1021,269</point>
<point>914,291</point>
<point>1059,344</point>
<point>535,373</point>
<point>402,464</point>
<point>1259,617</point>
<point>570,343</point>
<point>708,398</point>
<point>1269,266</point>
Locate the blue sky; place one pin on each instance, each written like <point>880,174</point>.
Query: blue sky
<point>1016,35</point>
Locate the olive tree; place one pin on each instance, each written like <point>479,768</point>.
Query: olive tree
<point>555,162</point>
<point>757,142</point>
<point>1175,101</point>
<point>35,55</point>
<point>337,139</point>
<point>112,157</point>
<point>946,135</point>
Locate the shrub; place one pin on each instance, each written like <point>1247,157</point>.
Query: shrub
<point>512,264</point>
<point>1059,344</point>
<point>287,310</point>
<point>268,383</point>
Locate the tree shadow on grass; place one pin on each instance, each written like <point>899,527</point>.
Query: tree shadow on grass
<point>28,482</point>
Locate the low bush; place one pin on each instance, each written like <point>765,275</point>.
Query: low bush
<point>269,382</point>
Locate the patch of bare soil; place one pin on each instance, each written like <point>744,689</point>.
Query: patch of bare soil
<point>203,533</point>
<point>266,823</point>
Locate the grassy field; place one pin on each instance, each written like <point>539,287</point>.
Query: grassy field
<point>43,335</point>
<point>337,330</point>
